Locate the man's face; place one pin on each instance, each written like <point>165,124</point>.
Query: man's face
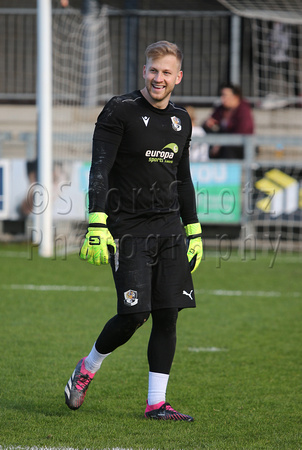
<point>161,75</point>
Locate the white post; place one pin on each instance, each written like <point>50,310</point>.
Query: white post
<point>235,49</point>
<point>44,107</point>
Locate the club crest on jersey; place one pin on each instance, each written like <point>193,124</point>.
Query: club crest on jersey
<point>130,298</point>
<point>176,123</point>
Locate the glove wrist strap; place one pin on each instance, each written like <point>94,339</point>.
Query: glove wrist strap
<point>97,225</point>
<point>193,229</point>
<point>97,218</point>
<point>193,236</point>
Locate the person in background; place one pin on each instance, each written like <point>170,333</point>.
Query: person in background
<point>199,151</point>
<point>232,116</point>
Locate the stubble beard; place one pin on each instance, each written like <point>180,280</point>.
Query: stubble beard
<point>156,97</point>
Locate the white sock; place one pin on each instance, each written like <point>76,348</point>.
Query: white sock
<point>157,387</point>
<point>94,360</point>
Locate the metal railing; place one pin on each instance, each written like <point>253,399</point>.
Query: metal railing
<point>205,37</point>
<point>261,154</point>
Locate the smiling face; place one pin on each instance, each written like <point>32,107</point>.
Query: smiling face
<point>161,75</point>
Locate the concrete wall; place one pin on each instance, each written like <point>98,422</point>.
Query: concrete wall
<point>23,119</point>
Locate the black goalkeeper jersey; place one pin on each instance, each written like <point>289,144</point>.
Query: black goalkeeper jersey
<point>140,173</point>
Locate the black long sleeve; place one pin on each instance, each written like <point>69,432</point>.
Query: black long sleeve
<point>186,192</point>
<point>103,157</point>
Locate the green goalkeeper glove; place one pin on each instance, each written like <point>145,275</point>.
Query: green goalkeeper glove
<point>195,247</point>
<point>98,241</point>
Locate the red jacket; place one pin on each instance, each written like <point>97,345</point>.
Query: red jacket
<point>239,122</point>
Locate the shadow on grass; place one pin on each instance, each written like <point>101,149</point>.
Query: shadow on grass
<point>58,408</point>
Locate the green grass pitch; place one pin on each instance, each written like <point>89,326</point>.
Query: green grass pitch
<point>237,368</point>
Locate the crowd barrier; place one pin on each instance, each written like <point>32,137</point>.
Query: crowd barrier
<point>260,195</point>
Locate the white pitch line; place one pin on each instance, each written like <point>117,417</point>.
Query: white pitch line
<point>56,448</point>
<point>34,287</point>
<point>214,292</point>
<point>207,349</point>
<point>239,293</point>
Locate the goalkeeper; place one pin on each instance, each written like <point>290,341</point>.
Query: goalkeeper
<point>143,221</point>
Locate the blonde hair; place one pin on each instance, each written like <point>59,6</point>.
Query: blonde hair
<point>163,48</point>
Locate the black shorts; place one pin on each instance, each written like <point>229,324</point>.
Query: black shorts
<point>152,273</point>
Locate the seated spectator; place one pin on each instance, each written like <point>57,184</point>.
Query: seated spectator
<point>199,152</point>
<point>233,116</point>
